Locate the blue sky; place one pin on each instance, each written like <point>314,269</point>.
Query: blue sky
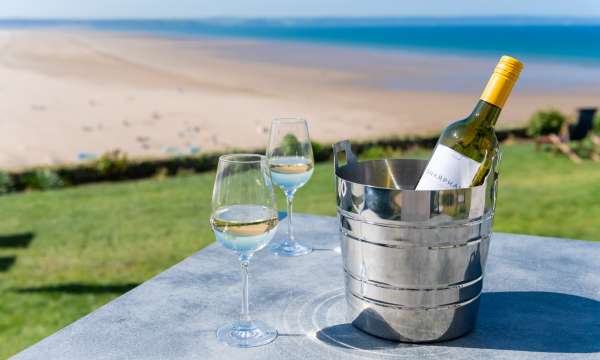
<point>291,8</point>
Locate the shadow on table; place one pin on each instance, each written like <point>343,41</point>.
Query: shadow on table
<point>79,288</point>
<point>21,240</point>
<point>524,321</point>
<point>349,337</point>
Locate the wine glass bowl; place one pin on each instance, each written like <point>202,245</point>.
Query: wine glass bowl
<point>292,164</point>
<point>244,220</point>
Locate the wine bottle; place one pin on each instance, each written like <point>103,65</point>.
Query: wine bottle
<point>466,149</point>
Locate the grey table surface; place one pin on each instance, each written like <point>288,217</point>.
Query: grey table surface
<point>541,300</point>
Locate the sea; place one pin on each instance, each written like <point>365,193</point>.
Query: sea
<point>572,40</point>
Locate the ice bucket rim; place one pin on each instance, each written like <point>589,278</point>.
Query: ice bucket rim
<point>352,160</point>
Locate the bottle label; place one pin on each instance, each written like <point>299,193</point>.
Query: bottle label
<point>448,169</point>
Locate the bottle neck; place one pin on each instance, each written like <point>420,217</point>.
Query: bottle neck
<point>499,86</point>
<point>485,114</point>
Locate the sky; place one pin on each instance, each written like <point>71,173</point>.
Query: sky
<point>291,8</point>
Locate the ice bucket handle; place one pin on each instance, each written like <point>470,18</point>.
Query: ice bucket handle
<point>344,146</point>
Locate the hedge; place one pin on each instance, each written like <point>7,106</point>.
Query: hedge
<point>115,166</point>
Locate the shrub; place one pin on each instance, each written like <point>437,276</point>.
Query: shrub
<point>6,183</point>
<point>112,164</point>
<point>546,122</point>
<point>597,124</point>
<point>584,148</point>
<point>42,179</point>
<point>321,152</point>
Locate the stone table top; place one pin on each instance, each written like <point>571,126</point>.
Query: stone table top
<point>541,300</point>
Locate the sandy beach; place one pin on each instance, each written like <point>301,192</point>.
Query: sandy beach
<point>67,95</point>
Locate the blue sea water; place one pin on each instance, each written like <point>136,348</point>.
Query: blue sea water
<point>545,38</point>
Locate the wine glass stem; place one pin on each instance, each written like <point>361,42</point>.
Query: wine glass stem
<point>290,238</point>
<point>245,314</point>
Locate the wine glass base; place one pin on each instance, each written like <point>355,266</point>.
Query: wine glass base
<point>294,249</point>
<point>246,335</point>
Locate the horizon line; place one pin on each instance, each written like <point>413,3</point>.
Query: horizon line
<point>311,17</point>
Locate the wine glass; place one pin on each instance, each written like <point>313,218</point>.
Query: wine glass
<point>291,162</point>
<point>244,219</point>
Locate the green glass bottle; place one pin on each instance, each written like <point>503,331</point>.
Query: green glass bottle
<point>467,148</point>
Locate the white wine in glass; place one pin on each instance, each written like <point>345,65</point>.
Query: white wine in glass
<point>291,172</point>
<point>244,228</point>
<point>292,164</point>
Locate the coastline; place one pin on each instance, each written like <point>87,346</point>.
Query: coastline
<point>70,93</point>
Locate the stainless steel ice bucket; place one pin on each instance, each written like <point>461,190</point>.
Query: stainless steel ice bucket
<point>413,260</point>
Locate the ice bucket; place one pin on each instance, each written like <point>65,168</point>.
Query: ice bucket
<point>413,260</point>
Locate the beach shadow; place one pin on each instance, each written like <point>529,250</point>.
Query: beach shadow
<point>78,288</point>
<point>523,321</point>
<point>16,240</point>
<point>6,262</point>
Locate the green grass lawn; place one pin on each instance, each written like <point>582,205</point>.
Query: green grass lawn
<point>64,253</point>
